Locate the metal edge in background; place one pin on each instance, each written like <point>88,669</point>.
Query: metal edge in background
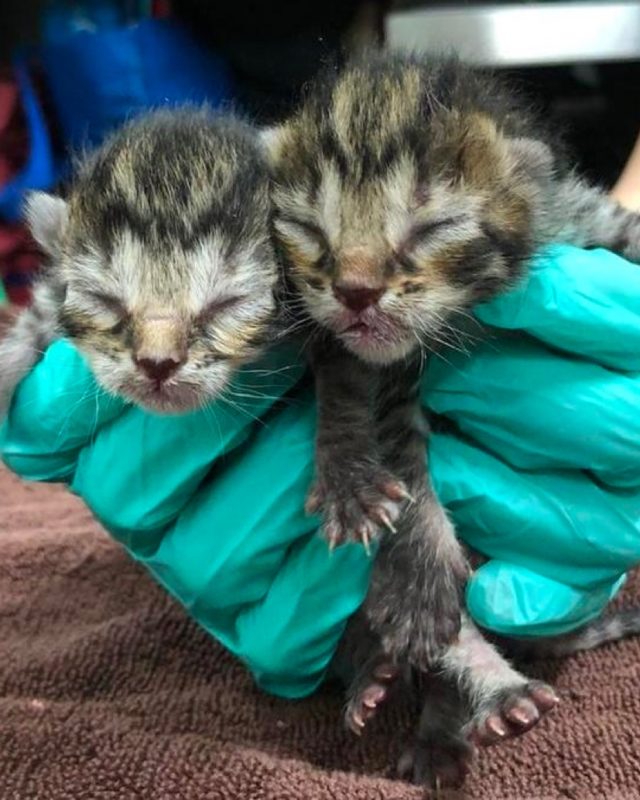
<point>522,34</point>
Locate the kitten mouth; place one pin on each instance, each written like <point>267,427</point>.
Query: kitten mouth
<point>378,339</point>
<point>160,398</point>
<point>380,330</point>
<point>358,327</point>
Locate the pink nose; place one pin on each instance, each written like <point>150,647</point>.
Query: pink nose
<point>357,298</point>
<point>158,371</point>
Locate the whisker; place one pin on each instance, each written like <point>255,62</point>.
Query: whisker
<point>237,407</point>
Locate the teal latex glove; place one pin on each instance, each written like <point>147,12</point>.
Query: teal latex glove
<point>543,473</point>
<point>540,475</point>
<point>211,502</point>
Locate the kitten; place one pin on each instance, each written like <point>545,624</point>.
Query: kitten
<point>406,191</point>
<point>162,270</point>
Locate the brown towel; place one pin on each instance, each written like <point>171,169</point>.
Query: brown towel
<point>109,692</point>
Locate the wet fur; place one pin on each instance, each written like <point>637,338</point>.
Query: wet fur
<point>160,251</point>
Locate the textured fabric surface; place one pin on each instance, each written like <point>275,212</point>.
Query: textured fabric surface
<point>109,692</point>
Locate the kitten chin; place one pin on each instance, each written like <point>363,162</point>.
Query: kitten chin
<point>377,346</point>
<point>380,355</point>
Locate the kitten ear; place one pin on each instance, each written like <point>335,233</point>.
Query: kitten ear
<point>478,147</point>
<point>271,140</point>
<point>47,217</point>
<point>533,157</point>
<point>488,156</point>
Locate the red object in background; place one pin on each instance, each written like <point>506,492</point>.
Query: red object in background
<point>161,8</point>
<point>19,257</point>
<point>19,260</point>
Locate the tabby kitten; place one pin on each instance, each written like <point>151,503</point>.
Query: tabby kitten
<point>162,269</point>
<point>407,190</point>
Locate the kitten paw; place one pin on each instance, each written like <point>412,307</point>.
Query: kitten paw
<point>512,712</point>
<point>437,764</point>
<point>357,507</point>
<point>423,619</point>
<point>368,695</point>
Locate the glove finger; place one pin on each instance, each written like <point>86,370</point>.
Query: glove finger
<point>57,409</point>
<point>248,563</point>
<point>232,536</point>
<point>514,601</point>
<point>560,525</point>
<point>537,410</point>
<point>306,613</point>
<point>585,302</point>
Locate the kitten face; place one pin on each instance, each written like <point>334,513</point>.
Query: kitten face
<point>401,200</point>
<point>164,254</point>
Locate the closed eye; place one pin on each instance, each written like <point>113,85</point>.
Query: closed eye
<point>288,225</point>
<point>217,306</point>
<point>109,302</point>
<point>424,230</point>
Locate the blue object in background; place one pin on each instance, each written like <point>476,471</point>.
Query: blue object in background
<point>103,68</point>
<point>100,78</point>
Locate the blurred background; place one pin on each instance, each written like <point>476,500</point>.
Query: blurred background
<point>70,71</point>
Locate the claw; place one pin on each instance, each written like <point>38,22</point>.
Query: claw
<point>524,715</point>
<point>395,491</point>
<point>387,521</point>
<point>366,540</point>
<point>497,727</point>
<point>313,502</point>
<point>356,723</point>
<point>408,497</point>
<point>385,671</point>
<point>545,697</point>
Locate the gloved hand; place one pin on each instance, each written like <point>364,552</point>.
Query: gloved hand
<point>539,474</point>
<point>211,502</point>
<point>542,471</point>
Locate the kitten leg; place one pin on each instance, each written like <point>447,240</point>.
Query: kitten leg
<point>440,753</point>
<point>418,579</point>
<point>358,496</point>
<point>503,703</point>
<point>586,216</point>
<point>475,698</point>
<point>492,701</point>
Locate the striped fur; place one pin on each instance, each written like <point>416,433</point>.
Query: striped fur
<point>161,251</point>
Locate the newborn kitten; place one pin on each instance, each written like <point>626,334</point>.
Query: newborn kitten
<point>406,191</point>
<point>162,270</point>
